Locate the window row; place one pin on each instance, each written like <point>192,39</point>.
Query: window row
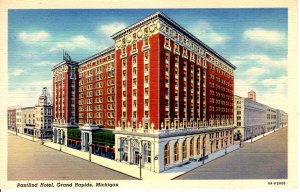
<point>184,150</point>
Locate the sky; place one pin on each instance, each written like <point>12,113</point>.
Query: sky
<point>254,40</point>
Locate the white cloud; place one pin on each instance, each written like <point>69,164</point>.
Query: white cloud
<point>33,37</point>
<point>256,71</point>
<point>280,82</point>
<point>263,60</point>
<point>43,63</point>
<point>77,42</point>
<point>204,31</point>
<point>242,86</point>
<point>264,36</point>
<point>112,28</point>
<point>276,96</point>
<point>17,72</point>
<point>29,93</point>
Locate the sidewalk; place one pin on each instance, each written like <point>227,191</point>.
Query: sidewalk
<point>134,170</point>
<point>24,136</point>
<point>261,136</point>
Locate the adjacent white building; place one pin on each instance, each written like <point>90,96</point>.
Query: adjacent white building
<point>28,120</point>
<point>36,120</point>
<point>252,118</point>
<point>282,119</point>
<point>43,116</point>
<point>271,119</point>
<point>19,120</point>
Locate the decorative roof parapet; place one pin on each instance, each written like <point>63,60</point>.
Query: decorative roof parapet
<point>97,55</point>
<point>64,62</point>
<point>167,19</point>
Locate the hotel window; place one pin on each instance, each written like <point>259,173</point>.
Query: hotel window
<point>146,56</point>
<point>125,155</point>
<point>146,31</point>
<point>134,70</point>
<point>124,62</point>
<point>198,145</point>
<point>133,36</point>
<point>146,42</point>
<point>167,42</point>
<point>167,154</point>
<point>184,149</point>
<point>134,92</point>
<point>146,103</point>
<point>176,47</point>
<point>134,47</point>
<point>134,59</point>
<point>146,80</point>
<point>148,152</point>
<point>176,151</point>
<point>167,29</point>
<point>146,68</point>
<point>134,115</point>
<point>192,147</point>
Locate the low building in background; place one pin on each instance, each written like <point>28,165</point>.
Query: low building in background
<point>252,118</point>
<point>239,118</point>
<point>282,119</point>
<point>43,116</point>
<point>35,120</point>
<point>252,95</point>
<point>12,118</point>
<point>271,119</point>
<point>19,122</point>
<point>28,120</point>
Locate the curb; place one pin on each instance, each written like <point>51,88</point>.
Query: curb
<point>270,133</point>
<point>203,164</point>
<point>93,162</point>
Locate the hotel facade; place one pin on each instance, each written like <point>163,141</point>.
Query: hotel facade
<point>167,96</point>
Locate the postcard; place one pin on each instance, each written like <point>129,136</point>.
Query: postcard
<point>148,95</point>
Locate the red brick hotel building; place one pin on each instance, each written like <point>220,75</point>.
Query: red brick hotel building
<point>167,95</point>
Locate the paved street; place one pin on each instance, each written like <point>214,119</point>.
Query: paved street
<point>266,158</point>
<point>29,160</point>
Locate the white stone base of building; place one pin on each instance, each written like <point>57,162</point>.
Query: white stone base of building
<point>161,150</point>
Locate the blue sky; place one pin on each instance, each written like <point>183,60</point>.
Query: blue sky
<point>255,40</point>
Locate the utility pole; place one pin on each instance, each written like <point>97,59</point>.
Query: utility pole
<point>140,156</point>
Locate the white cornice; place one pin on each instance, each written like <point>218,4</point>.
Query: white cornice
<point>169,21</point>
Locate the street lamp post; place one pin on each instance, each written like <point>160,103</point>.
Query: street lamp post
<point>203,154</point>
<point>240,141</point>
<point>226,147</point>
<point>16,131</point>
<point>33,136</point>
<point>251,134</point>
<point>140,156</point>
<point>90,151</point>
<point>42,136</point>
<point>60,140</point>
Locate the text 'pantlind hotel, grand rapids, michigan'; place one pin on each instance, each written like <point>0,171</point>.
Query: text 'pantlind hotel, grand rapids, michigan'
<point>168,97</point>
